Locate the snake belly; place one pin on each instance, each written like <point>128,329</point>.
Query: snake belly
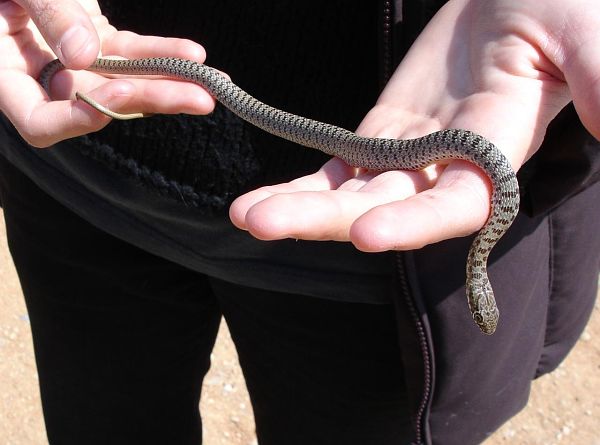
<point>357,151</point>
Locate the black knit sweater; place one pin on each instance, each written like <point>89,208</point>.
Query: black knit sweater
<point>317,59</point>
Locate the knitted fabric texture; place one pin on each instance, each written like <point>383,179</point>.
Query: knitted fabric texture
<point>323,66</point>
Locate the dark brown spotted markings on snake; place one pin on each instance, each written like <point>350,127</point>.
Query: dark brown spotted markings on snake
<point>371,153</point>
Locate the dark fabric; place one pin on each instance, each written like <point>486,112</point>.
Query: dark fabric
<point>567,163</point>
<point>119,205</point>
<point>123,340</point>
<point>545,277</point>
<point>545,274</point>
<point>164,183</point>
<point>152,184</point>
<point>322,66</point>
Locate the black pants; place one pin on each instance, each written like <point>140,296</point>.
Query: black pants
<point>123,338</point>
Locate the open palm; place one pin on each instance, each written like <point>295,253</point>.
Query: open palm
<point>500,68</point>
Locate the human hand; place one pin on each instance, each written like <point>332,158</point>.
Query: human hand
<point>32,31</point>
<point>500,68</point>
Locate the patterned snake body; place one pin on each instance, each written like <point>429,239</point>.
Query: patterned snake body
<point>371,153</point>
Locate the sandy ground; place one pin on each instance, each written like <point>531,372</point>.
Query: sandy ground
<point>564,407</point>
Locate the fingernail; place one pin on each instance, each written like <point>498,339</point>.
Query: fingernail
<point>73,43</point>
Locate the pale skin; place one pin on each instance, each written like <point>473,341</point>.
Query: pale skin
<point>33,32</point>
<point>501,68</point>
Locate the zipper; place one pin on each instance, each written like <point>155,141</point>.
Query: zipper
<point>387,61</point>
<point>386,40</point>
<point>422,339</point>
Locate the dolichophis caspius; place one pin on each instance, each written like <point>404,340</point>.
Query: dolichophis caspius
<point>371,153</point>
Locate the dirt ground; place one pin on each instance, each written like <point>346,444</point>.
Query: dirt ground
<point>564,407</point>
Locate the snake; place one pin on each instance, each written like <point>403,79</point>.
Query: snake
<point>379,154</point>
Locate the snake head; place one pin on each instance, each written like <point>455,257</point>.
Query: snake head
<point>483,306</point>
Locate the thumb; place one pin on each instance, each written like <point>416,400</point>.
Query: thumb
<point>581,68</point>
<point>67,28</point>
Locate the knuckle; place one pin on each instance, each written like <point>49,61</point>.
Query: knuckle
<point>34,135</point>
<point>37,141</point>
<point>189,49</point>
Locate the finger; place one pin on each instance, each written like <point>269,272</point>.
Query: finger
<point>329,177</point>
<point>161,96</point>
<point>67,29</point>
<point>457,206</point>
<point>580,63</point>
<point>293,211</point>
<point>43,123</point>
<point>13,18</point>
<point>158,96</point>
<point>152,95</point>
<point>133,46</point>
<point>322,215</point>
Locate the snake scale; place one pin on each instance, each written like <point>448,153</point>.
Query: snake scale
<point>370,153</point>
